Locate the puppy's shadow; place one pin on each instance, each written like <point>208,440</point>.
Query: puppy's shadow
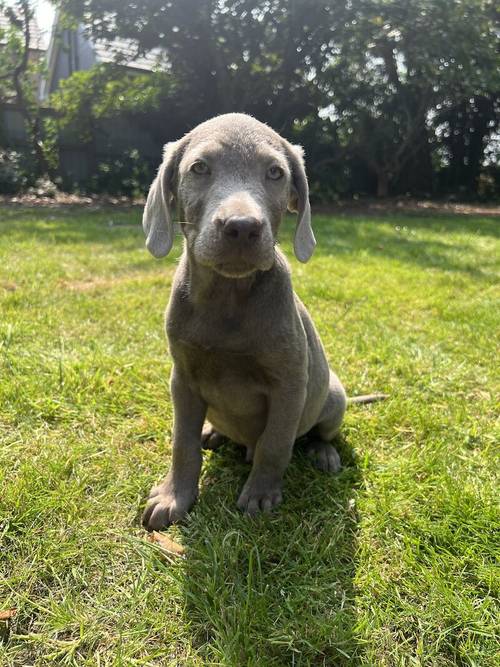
<point>276,589</point>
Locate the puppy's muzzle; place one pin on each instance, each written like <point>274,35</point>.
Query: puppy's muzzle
<point>241,231</point>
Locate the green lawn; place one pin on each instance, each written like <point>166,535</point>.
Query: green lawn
<point>391,562</point>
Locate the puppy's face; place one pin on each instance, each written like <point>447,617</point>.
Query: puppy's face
<point>233,178</point>
<point>233,187</point>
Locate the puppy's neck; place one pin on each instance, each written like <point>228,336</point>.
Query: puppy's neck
<point>206,285</point>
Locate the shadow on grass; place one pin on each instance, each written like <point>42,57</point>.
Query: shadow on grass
<point>397,238</point>
<point>117,231</point>
<point>276,589</point>
<point>394,236</point>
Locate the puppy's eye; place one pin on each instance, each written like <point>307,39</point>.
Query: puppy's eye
<point>275,172</point>
<point>199,167</point>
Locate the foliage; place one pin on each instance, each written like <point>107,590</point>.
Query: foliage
<point>87,99</point>
<point>390,80</point>
<point>14,54</point>
<point>393,562</point>
<point>13,173</point>
<point>396,66</point>
<point>463,130</point>
<point>44,187</point>
<point>105,91</point>
<point>19,72</point>
<point>127,175</point>
<point>233,55</point>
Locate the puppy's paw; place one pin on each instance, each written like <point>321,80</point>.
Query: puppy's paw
<point>257,498</point>
<point>210,438</point>
<point>166,506</point>
<point>324,456</point>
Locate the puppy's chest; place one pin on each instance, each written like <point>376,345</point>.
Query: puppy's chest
<point>220,353</point>
<point>213,365</point>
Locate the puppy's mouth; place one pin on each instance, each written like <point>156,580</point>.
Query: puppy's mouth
<point>235,262</point>
<point>230,270</point>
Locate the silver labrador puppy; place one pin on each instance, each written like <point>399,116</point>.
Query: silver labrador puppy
<point>246,354</point>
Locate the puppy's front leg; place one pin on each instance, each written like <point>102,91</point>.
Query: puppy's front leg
<point>172,499</point>
<point>273,451</point>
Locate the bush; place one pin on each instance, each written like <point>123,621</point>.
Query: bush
<point>488,183</point>
<point>14,176</point>
<point>129,175</point>
<point>44,187</point>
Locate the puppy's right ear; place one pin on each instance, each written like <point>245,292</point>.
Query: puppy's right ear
<point>304,242</point>
<point>157,218</point>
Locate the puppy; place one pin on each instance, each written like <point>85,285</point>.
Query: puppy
<point>246,355</point>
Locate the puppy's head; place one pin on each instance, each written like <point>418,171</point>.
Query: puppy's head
<point>233,178</point>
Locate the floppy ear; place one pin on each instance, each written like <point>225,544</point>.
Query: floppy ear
<point>304,242</point>
<point>157,218</point>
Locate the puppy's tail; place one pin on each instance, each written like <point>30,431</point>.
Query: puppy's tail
<point>368,398</point>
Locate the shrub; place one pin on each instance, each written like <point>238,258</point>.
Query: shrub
<point>14,176</point>
<point>128,175</point>
<point>44,187</point>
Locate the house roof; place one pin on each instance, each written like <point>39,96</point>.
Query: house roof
<point>90,51</point>
<point>36,35</point>
<point>125,52</point>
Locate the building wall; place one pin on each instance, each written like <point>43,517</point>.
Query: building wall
<point>73,53</point>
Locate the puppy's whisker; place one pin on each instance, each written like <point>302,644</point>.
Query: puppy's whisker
<point>184,222</point>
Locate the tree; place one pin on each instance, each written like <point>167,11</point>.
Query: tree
<point>464,129</point>
<point>18,75</point>
<point>373,85</point>
<point>225,55</point>
<point>396,64</point>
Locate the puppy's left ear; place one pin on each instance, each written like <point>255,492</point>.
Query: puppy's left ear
<point>304,242</point>
<point>157,217</point>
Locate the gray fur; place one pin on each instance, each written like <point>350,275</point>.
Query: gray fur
<point>246,355</point>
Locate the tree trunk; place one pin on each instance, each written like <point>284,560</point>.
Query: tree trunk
<point>382,184</point>
<point>32,124</point>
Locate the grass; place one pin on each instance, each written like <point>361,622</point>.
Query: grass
<point>391,562</point>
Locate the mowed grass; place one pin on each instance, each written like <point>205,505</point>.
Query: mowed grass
<point>392,562</point>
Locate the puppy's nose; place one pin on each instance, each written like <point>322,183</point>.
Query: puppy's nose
<point>242,229</point>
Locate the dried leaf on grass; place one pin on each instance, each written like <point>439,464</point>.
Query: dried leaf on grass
<point>9,286</point>
<point>6,614</point>
<point>166,543</point>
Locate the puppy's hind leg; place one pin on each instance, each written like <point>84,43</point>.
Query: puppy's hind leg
<point>210,438</point>
<point>213,440</point>
<point>319,449</point>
